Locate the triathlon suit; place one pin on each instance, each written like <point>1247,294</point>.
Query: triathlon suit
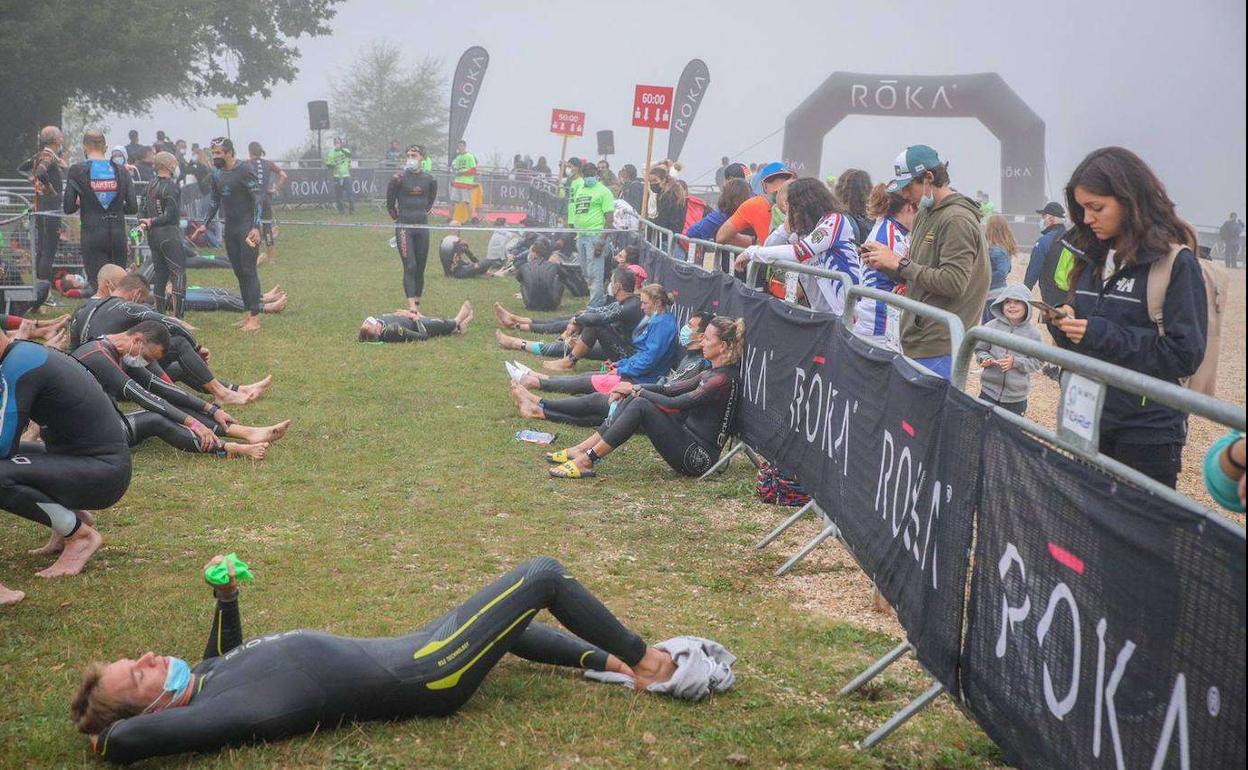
<point>607,331</point>
<point>589,406</point>
<point>113,315</point>
<point>104,194</point>
<point>397,328</point>
<point>45,171</point>
<point>205,299</point>
<point>409,197</point>
<point>165,407</point>
<point>688,421</point>
<point>266,179</point>
<point>84,462</point>
<point>236,193</point>
<point>301,681</point>
<point>541,287</point>
<point>162,205</point>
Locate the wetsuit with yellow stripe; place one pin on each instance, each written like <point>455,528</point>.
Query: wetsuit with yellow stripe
<point>299,681</point>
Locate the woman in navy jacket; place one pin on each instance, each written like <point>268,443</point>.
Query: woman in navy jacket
<point>1124,222</point>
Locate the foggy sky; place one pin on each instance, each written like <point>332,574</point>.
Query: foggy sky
<point>1165,79</point>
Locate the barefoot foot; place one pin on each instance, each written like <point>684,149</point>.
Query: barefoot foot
<point>250,324</point>
<point>655,667</point>
<point>9,596</point>
<point>559,365</point>
<point>78,551</point>
<point>254,451</point>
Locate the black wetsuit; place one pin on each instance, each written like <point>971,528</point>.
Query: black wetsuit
<point>113,315</point>
<point>688,421</point>
<point>165,407</point>
<point>84,462</point>
<point>206,299</point>
<point>299,681</point>
<point>266,172</point>
<point>45,170</point>
<point>237,192</point>
<point>104,194</point>
<point>409,197</point>
<point>607,331</point>
<point>162,205</point>
<point>541,288</point>
<point>588,408</point>
<point>397,328</point>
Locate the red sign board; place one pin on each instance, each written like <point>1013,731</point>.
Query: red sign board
<point>652,107</point>
<point>567,122</point>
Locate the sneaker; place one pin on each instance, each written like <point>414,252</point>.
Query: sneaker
<point>521,370</point>
<point>511,371</point>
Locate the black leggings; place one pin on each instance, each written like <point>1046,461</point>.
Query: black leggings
<point>499,619</point>
<point>266,222</point>
<point>47,487</point>
<point>549,326</point>
<point>169,267</point>
<point>676,443</point>
<point>1160,462</point>
<point>414,253</point>
<point>143,425</point>
<point>104,243</point>
<point>183,364</point>
<point>588,410</point>
<point>48,235</point>
<point>243,259</point>
<point>614,346</point>
<point>210,299</point>
<point>572,384</point>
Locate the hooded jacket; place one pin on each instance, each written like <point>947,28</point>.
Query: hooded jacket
<point>949,270</point>
<point>1015,385</point>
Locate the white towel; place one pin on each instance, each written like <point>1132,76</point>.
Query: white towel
<point>702,667</point>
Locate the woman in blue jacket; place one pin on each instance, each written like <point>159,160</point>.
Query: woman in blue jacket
<point>1124,223</point>
<point>654,339</point>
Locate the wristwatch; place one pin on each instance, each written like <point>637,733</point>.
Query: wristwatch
<point>903,263</point>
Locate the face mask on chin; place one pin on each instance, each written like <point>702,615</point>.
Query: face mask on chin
<point>928,199</point>
<point>135,361</point>
<point>686,335</point>
<point>218,162</point>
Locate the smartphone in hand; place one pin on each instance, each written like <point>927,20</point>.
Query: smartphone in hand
<point>1048,309</point>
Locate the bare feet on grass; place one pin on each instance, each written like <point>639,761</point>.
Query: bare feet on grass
<point>56,542</point>
<point>256,389</point>
<point>276,305</point>
<point>250,324</point>
<point>525,403</point>
<point>504,317</point>
<point>9,596</point>
<point>656,667</point>
<point>560,365</point>
<point>224,396</point>
<point>78,551</point>
<point>463,317</point>
<point>507,342</point>
<point>254,451</point>
<point>263,435</point>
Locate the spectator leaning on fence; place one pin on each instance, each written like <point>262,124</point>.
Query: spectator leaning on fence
<point>1125,222</point>
<point>751,222</point>
<point>670,200</point>
<point>947,266</point>
<point>630,188</point>
<point>853,189</point>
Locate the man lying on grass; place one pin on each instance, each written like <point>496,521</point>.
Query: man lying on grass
<point>301,681</point>
<point>410,326</point>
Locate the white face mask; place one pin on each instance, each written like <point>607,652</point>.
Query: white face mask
<point>412,164</point>
<point>928,200</point>
<point>133,360</point>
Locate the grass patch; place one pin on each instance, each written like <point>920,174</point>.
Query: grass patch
<point>398,492</point>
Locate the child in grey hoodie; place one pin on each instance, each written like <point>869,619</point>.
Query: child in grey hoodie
<point>1006,378</point>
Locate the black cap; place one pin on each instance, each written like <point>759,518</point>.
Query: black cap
<point>1053,209</point>
<point>735,171</point>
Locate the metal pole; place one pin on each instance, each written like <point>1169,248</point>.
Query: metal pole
<point>775,533</point>
<point>645,180</point>
<point>723,461</point>
<point>902,716</point>
<point>829,531</point>
<point>874,670</point>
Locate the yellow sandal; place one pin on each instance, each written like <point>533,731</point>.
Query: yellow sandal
<point>558,458</point>
<point>570,470</point>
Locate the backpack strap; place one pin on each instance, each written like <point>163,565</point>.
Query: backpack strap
<point>1158,283</point>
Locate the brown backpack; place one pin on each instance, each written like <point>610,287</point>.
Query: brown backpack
<point>1205,379</point>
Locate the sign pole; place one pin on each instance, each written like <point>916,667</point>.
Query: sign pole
<point>563,154</point>
<point>227,129</point>
<point>645,181</point>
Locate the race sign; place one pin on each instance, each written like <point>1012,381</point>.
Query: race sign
<point>227,110</point>
<point>567,122</point>
<point>652,107</point>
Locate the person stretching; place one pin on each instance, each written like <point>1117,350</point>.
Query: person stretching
<point>118,305</point>
<point>119,363</point>
<point>206,299</point>
<point>688,421</point>
<point>603,332</point>
<point>300,681</point>
<point>591,393</point>
<point>84,462</point>
<point>409,326</point>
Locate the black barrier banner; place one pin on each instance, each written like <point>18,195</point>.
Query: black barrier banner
<point>887,451</point>
<point>465,87</point>
<point>543,205</point>
<point>690,90</point>
<point>1106,626</point>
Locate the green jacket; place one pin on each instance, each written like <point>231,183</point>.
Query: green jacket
<point>590,208</point>
<point>949,270</point>
<point>339,162</point>
<point>464,162</point>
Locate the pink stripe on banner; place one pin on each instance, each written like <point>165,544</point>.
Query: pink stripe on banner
<point>908,428</point>
<point>1066,558</point>
<point>820,360</point>
<point>715,303</point>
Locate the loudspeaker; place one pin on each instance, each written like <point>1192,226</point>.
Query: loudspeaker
<point>606,142</point>
<point>318,115</point>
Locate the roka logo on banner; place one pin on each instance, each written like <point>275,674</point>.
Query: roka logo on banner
<point>465,88</point>
<point>690,90</point>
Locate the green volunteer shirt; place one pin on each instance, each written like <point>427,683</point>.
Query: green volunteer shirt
<point>464,162</point>
<point>589,207</point>
<point>339,162</point>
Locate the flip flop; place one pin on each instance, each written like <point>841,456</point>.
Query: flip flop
<point>570,470</point>
<point>558,458</point>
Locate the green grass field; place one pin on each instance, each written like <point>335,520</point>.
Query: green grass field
<point>400,490</point>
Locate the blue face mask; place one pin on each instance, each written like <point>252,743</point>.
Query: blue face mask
<point>177,680</point>
<point>686,335</point>
<point>590,181</point>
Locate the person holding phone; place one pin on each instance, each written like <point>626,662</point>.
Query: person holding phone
<point>1124,221</point>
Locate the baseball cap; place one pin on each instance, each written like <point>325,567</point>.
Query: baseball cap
<point>1053,209</point>
<point>913,162</point>
<point>775,168</point>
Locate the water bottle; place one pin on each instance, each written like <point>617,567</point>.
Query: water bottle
<point>535,437</point>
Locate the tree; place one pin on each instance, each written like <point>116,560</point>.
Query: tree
<point>379,99</point>
<point>123,55</point>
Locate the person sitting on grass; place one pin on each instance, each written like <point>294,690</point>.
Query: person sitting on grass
<point>591,401</point>
<point>301,681</point>
<point>540,285</point>
<point>602,333</point>
<point>407,326</point>
<point>688,421</point>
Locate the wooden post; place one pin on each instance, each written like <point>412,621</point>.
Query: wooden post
<point>645,179</point>
<point>563,155</point>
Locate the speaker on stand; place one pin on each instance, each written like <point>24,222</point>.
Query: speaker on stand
<point>606,143</point>
<point>318,121</point>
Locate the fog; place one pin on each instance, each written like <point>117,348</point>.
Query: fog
<point>1164,79</point>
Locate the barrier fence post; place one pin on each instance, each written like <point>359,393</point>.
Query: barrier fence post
<point>902,716</point>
